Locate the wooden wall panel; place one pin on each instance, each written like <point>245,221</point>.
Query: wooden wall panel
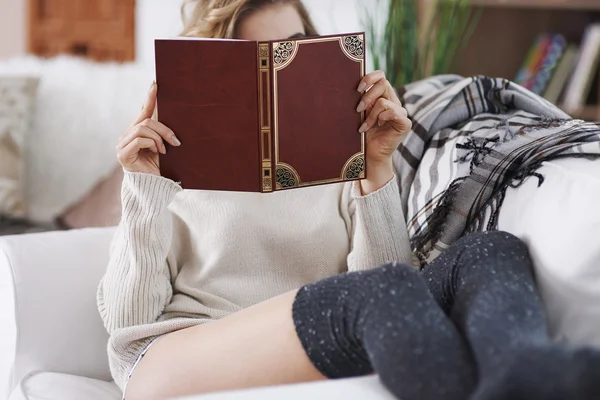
<point>102,30</point>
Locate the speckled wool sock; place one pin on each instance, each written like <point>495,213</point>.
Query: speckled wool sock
<point>485,282</point>
<point>384,320</point>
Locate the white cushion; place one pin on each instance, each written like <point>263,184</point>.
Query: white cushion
<point>560,222</point>
<point>82,107</point>
<point>49,320</point>
<point>53,386</point>
<point>17,99</point>
<point>364,388</point>
<point>8,327</point>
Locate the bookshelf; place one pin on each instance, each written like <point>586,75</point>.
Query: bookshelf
<point>508,28</point>
<point>542,4</point>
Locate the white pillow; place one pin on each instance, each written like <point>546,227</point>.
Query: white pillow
<point>53,386</point>
<point>560,222</point>
<point>17,97</point>
<point>82,107</point>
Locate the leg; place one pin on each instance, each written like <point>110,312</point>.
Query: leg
<point>485,283</point>
<point>385,318</point>
<point>257,346</point>
<point>340,327</point>
<point>487,287</point>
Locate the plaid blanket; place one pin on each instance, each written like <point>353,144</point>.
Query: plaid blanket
<point>471,139</point>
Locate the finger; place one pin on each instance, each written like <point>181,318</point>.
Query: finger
<point>398,109</point>
<point>130,152</point>
<point>378,90</point>
<point>380,106</point>
<point>164,131</point>
<point>149,105</point>
<point>369,80</point>
<point>396,118</point>
<point>140,131</point>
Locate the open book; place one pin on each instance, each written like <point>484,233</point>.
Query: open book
<point>262,116</point>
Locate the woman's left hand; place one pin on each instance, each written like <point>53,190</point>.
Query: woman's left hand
<point>385,125</point>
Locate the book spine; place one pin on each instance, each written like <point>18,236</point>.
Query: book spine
<point>523,73</point>
<point>562,74</point>
<point>550,62</point>
<point>580,83</point>
<point>265,117</point>
<point>540,58</point>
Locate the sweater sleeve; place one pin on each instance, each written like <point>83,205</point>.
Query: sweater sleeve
<point>377,227</point>
<point>136,286</point>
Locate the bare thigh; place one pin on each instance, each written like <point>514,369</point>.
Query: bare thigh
<point>257,346</point>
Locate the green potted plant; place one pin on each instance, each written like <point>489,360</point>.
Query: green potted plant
<point>417,38</point>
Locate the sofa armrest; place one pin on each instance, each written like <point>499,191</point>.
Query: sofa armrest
<point>48,315</point>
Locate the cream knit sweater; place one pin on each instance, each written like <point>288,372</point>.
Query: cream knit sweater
<point>184,257</point>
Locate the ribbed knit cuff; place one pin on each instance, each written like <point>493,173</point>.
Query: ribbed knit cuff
<point>148,191</point>
<point>389,188</point>
<point>384,225</point>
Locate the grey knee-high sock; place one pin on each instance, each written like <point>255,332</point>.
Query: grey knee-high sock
<point>485,283</point>
<point>384,320</point>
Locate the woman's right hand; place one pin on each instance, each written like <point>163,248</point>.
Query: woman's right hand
<point>138,147</point>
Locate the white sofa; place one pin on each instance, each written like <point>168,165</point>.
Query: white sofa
<point>52,342</point>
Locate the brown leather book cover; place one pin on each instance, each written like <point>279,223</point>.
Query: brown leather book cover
<point>262,116</point>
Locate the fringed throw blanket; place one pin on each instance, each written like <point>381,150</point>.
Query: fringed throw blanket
<point>471,139</point>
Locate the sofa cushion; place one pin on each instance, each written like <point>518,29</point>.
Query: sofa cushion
<point>82,107</point>
<point>560,222</point>
<point>54,386</point>
<point>363,388</point>
<point>8,328</point>
<point>100,207</point>
<point>49,319</point>
<point>17,99</point>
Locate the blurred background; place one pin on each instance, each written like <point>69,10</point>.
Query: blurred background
<point>122,30</point>
<point>74,73</point>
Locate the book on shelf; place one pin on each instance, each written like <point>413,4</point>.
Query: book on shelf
<point>579,86</point>
<point>562,74</point>
<point>526,75</point>
<point>262,116</point>
<point>541,61</point>
<point>552,57</point>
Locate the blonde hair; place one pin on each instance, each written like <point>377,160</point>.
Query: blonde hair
<point>222,18</point>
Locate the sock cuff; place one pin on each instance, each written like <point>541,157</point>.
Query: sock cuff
<point>326,337</point>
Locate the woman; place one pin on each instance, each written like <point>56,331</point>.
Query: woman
<point>184,258</point>
<point>196,301</point>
